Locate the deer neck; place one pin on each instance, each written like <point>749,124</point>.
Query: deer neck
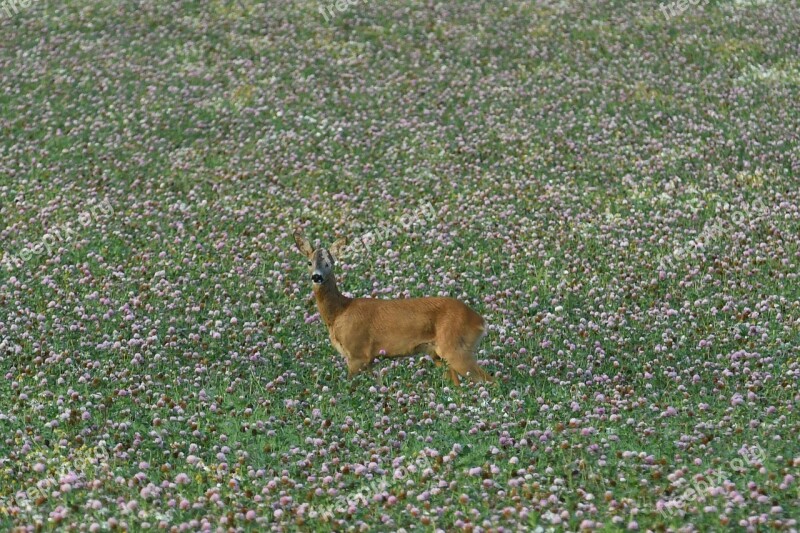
<point>330,301</point>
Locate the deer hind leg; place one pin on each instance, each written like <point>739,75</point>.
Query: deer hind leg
<point>458,353</point>
<point>464,363</point>
<point>439,360</point>
<point>454,377</point>
<point>436,356</point>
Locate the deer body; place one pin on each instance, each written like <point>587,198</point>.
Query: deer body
<point>362,329</point>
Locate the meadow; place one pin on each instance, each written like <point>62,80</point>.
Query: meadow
<point>612,185</point>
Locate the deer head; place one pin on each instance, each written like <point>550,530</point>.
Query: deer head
<point>321,260</point>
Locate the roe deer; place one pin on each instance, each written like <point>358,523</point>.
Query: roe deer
<point>362,329</point>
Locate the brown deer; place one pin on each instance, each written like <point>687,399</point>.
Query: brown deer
<point>361,329</point>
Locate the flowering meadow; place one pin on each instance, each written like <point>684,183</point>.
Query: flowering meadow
<point>614,188</point>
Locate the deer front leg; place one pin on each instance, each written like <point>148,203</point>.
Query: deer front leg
<point>354,368</point>
<point>356,365</point>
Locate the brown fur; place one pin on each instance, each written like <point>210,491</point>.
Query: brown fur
<point>362,329</point>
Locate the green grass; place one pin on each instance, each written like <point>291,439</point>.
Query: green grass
<point>566,149</point>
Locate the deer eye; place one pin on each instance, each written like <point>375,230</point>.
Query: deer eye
<point>309,263</point>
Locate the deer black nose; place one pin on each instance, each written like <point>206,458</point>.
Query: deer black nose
<point>316,278</point>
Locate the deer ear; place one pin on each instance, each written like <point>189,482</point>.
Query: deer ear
<point>302,243</point>
<point>338,247</point>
